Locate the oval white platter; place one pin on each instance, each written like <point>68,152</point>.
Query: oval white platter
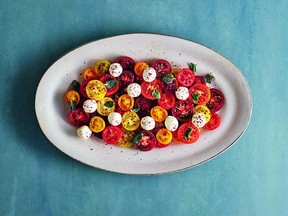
<point>52,113</point>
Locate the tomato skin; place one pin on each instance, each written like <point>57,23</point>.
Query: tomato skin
<point>82,89</point>
<point>111,134</point>
<point>79,117</point>
<point>216,101</point>
<point>167,100</point>
<point>171,87</point>
<point>182,131</point>
<point>183,110</point>
<point>214,122</point>
<point>106,77</point>
<point>162,67</point>
<point>126,62</point>
<point>185,77</point>
<point>148,87</point>
<point>202,91</point>
<point>147,142</point>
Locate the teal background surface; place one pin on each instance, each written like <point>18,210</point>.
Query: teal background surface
<point>249,179</point>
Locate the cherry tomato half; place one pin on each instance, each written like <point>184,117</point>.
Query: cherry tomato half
<point>185,77</point>
<point>147,142</point>
<point>171,87</point>
<point>97,124</point>
<point>164,136</point>
<point>214,122</point>
<point>126,102</point>
<point>183,110</point>
<point>201,92</point>
<point>102,67</point>
<point>216,101</point>
<point>82,89</point>
<point>96,90</point>
<point>167,100</point>
<point>126,62</point>
<point>158,113</point>
<point>111,83</point>
<point>126,78</point>
<point>72,96</point>
<point>140,67</point>
<point>188,133</point>
<point>111,134</point>
<point>162,67</point>
<point>200,79</point>
<point>89,74</point>
<point>79,117</point>
<point>147,88</point>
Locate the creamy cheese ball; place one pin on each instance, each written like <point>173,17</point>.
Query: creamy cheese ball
<point>147,123</point>
<point>149,74</point>
<point>199,120</point>
<point>171,123</point>
<point>115,69</point>
<point>114,118</point>
<point>84,132</point>
<point>134,90</point>
<point>182,93</point>
<point>90,106</point>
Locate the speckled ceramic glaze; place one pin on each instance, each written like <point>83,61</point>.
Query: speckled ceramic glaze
<point>52,112</point>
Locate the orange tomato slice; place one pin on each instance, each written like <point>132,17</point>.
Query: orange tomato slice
<point>140,67</point>
<point>72,96</point>
<point>97,124</point>
<point>158,113</point>
<point>164,136</point>
<point>126,102</point>
<point>89,74</point>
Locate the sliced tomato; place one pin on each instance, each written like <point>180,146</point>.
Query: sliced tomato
<point>162,67</point>
<point>96,90</point>
<point>130,121</point>
<point>147,88</point>
<point>164,136</point>
<point>200,93</point>
<point>185,77</point>
<point>183,110</point>
<point>216,101</point>
<point>147,141</point>
<point>167,100</point>
<point>102,67</point>
<point>140,67</point>
<point>79,117</point>
<point>158,113</point>
<point>126,78</point>
<point>188,133</point>
<point>214,122</point>
<point>199,79</point>
<point>126,62</point>
<point>111,83</point>
<point>111,134</point>
<point>72,96</point>
<point>171,87</point>
<point>82,89</point>
<point>97,124</point>
<point>89,74</point>
<point>126,102</point>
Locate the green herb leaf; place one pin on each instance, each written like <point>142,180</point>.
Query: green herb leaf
<point>192,67</point>
<point>168,78</point>
<point>136,109</point>
<point>137,138</point>
<point>209,78</point>
<point>188,133</point>
<point>72,105</point>
<point>109,104</point>
<point>111,83</point>
<point>156,94</point>
<point>195,98</point>
<point>75,85</point>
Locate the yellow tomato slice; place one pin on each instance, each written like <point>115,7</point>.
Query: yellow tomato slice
<point>126,102</point>
<point>125,140</point>
<point>72,96</point>
<point>105,106</point>
<point>175,71</point>
<point>97,124</point>
<point>164,136</point>
<point>102,67</point>
<point>204,110</point>
<point>158,113</point>
<point>130,121</point>
<point>140,67</point>
<point>96,90</point>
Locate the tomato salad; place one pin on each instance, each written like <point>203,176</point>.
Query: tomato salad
<point>143,104</point>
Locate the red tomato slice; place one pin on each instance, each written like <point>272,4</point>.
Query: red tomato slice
<point>79,117</point>
<point>185,77</point>
<point>202,93</point>
<point>126,78</point>
<point>188,133</point>
<point>126,62</point>
<point>167,100</point>
<point>214,122</point>
<point>111,134</point>
<point>106,78</point>
<point>82,89</point>
<point>171,87</point>
<point>162,67</point>
<point>183,110</point>
<point>216,101</point>
<point>199,79</point>
<point>147,88</point>
<point>147,142</point>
